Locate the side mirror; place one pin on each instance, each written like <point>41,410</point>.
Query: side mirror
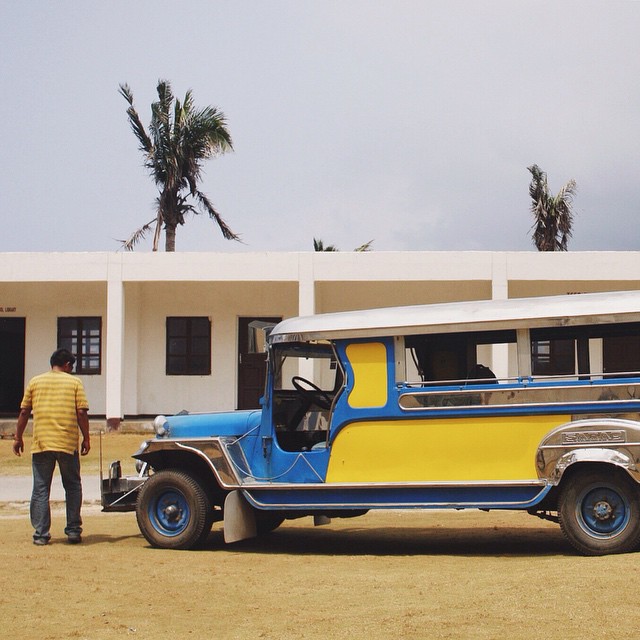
<point>258,333</point>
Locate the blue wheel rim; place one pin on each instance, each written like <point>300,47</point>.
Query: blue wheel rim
<point>603,512</point>
<point>169,513</point>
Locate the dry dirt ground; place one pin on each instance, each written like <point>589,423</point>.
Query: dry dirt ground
<point>385,575</point>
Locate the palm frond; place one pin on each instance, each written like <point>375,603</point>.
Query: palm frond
<point>146,146</point>
<point>563,203</point>
<point>165,100</point>
<point>214,215</point>
<point>212,126</point>
<point>364,247</point>
<point>138,235</point>
<point>126,93</point>
<point>566,195</point>
<point>161,128</point>
<point>318,245</point>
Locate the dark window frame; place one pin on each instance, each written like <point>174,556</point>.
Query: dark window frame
<point>188,346</point>
<point>559,341</point>
<point>87,350</point>
<point>453,351</point>
<point>553,357</point>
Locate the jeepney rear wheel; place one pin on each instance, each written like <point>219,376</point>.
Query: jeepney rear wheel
<point>599,512</point>
<point>173,510</point>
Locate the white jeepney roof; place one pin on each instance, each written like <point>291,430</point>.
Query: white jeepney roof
<point>453,317</point>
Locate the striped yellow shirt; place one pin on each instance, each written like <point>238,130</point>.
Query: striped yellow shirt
<point>54,398</point>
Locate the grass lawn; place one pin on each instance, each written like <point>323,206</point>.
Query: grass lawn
<point>415,575</point>
<point>115,446</point>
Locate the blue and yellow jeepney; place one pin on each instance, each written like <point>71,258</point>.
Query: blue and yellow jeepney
<point>405,407</point>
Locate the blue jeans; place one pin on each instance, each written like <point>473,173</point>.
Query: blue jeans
<point>43,465</point>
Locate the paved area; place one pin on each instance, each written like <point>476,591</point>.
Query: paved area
<point>18,488</point>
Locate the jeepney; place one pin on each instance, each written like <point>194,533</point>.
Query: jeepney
<point>530,404</point>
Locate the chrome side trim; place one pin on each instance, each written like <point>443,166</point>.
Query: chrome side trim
<point>281,486</point>
<point>394,505</point>
<point>560,397</point>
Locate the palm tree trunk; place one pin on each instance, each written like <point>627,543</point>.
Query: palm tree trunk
<point>170,237</point>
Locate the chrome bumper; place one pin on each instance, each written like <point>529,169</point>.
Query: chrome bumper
<point>120,493</point>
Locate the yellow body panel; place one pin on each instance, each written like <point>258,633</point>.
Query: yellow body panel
<point>369,364</point>
<point>439,449</point>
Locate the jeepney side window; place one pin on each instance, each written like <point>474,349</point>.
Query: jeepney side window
<point>463,357</point>
<point>553,357</point>
<point>591,351</point>
<point>621,351</point>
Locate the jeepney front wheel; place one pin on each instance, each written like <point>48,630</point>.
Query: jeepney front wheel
<point>600,512</point>
<point>173,510</point>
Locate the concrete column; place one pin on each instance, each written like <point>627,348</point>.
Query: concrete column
<point>114,348</point>
<point>306,302</point>
<point>500,291</point>
<point>306,285</point>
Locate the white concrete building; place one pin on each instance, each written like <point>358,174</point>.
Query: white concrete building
<point>162,332</point>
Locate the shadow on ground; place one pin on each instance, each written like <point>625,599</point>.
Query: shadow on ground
<point>402,541</point>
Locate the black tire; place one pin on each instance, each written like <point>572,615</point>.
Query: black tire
<point>599,512</point>
<point>173,510</point>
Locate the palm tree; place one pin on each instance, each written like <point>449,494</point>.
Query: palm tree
<point>180,137</point>
<point>552,214</point>
<point>318,245</point>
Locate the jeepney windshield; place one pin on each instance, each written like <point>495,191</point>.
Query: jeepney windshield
<point>315,362</point>
<point>306,379</point>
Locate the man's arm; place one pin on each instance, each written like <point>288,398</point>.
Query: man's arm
<point>83,423</point>
<point>23,419</point>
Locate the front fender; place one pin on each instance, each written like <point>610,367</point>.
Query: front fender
<point>211,454</point>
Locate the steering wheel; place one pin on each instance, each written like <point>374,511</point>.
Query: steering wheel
<point>314,395</point>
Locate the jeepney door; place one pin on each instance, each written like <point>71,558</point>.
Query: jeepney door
<point>304,380</point>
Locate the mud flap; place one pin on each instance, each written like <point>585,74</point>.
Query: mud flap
<point>239,518</point>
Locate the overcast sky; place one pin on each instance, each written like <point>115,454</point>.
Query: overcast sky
<point>409,122</point>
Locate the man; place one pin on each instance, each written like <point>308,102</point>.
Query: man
<point>59,407</point>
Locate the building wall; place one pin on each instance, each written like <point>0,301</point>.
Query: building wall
<point>224,303</point>
<point>41,304</point>
<point>135,292</point>
<point>346,295</point>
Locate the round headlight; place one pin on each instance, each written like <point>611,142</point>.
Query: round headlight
<point>159,425</point>
<point>141,467</point>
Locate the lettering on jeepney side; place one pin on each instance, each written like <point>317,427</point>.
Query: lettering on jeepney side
<point>593,437</point>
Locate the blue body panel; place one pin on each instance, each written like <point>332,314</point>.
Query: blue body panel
<point>476,497</point>
<point>283,467</point>
<point>202,425</point>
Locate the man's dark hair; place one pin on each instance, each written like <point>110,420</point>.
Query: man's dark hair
<point>60,357</point>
